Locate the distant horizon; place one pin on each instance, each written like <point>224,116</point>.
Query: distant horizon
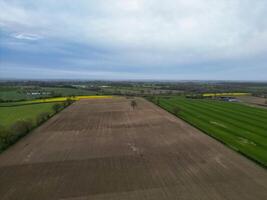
<point>132,80</point>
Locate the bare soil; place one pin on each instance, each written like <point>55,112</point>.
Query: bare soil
<point>103,149</point>
<point>251,100</point>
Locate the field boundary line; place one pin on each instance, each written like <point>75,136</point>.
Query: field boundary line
<point>206,133</point>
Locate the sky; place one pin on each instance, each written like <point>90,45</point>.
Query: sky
<point>133,39</point>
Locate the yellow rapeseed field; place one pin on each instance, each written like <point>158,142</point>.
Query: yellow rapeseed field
<point>225,94</point>
<point>92,97</point>
<point>58,99</point>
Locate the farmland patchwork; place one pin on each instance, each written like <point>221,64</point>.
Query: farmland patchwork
<point>103,149</point>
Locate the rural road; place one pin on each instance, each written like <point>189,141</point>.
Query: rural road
<point>104,150</point>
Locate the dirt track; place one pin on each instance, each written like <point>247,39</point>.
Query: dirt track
<point>102,149</point>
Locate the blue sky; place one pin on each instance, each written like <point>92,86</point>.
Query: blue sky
<point>134,39</point>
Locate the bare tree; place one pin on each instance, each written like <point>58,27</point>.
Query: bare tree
<point>133,104</point>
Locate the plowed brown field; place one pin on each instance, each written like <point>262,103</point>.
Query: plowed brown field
<point>103,149</point>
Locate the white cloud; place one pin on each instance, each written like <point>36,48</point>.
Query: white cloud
<point>146,32</point>
<point>27,36</point>
<point>174,24</point>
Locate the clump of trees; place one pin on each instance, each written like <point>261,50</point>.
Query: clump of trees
<point>69,101</point>
<point>57,107</point>
<point>10,135</point>
<point>42,117</point>
<point>21,127</point>
<point>4,137</point>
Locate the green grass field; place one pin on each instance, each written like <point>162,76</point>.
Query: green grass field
<point>17,120</point>
<point>241,127</point>
<point>9,115</point>
<point>12,93</point>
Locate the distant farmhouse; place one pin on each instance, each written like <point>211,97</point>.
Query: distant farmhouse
<point>38,93</point>
<point>228,99</point>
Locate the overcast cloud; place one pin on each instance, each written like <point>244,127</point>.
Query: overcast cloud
<point>134,39</point>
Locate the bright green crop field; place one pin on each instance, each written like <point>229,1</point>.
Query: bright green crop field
<point>9,115</point>
<point>241,127</point>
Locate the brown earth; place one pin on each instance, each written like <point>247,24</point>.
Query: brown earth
<point>102,149</point>
<point>254,101</point>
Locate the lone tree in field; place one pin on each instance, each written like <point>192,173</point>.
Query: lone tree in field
<point>133,104</point>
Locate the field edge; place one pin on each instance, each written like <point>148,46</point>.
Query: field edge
<point>215,138</point>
